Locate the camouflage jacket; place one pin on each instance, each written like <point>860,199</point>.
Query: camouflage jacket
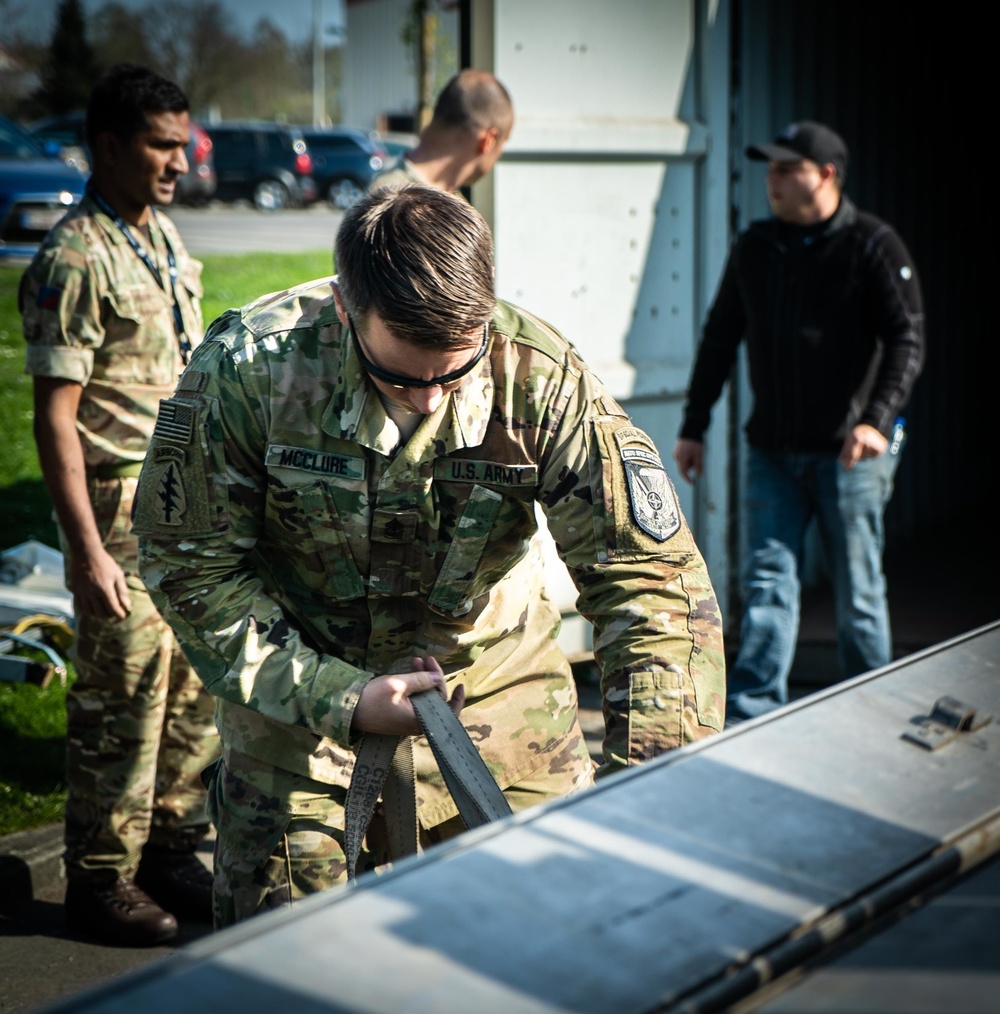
<point>296,553</point>
<point>94,313</point>
<point>396,174</point>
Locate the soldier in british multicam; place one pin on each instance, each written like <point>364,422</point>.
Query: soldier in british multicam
<point>337,512</point>
<point>110,306</point>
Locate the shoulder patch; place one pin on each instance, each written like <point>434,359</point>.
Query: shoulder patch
<point>170,493</point>
<point>651,493</point>
<point>164,502</point>
<point>174,495</point>
<point>175,422</point>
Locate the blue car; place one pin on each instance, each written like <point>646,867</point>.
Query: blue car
<point>36,190</point>
<point>344,161</point>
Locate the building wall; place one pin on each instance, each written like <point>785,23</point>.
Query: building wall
<point>380,77</point>
<point>610,206</point>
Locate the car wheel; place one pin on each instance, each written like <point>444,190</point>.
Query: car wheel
<point>270,195</point>
<point>344,193</point>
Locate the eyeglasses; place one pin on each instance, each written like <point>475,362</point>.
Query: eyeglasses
<point>401,383</point>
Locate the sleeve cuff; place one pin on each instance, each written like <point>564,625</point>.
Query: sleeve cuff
<point>336,690</point>
<point>60,361</point>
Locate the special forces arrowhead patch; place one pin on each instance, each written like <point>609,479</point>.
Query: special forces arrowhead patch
<point>174,492</point>
<point>170,494</point>
<point>651,494</point>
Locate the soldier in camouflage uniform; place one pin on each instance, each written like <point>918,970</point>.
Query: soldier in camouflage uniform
<point>337,511</point>
<point>111,308</point>
<point>473,118</point>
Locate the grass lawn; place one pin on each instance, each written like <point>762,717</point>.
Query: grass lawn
<point>32,721</point>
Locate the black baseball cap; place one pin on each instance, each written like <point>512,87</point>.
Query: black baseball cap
<point>805,139</point>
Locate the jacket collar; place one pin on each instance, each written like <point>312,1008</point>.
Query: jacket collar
<point>355,411</point>
<point>845,216</point>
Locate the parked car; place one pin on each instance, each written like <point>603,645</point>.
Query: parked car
<point>36,190</point>
<point>266,163</point>
<point>64,134</point>
<point>394,144</point>
<point>344,161</point>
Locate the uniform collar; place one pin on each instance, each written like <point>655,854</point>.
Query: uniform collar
<point>355,411</point>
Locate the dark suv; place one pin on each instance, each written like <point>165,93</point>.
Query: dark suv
<point>267,163</point>
<point>344,161</point>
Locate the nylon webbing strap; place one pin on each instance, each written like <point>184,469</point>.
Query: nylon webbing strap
<point>473,788</point>
<point>384,766</point>
<point>399,802</point>
<point>371,768</point>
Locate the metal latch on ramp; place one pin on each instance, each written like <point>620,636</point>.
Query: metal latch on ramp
<point>949,718</point>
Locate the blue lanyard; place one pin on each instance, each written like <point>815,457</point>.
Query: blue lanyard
<point>141,253</point>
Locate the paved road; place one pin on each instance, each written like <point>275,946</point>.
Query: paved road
<point>39,963</point>
<point>240,228</point>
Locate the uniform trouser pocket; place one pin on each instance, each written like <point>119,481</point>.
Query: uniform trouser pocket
<point>663,713</point>
<point>279,838</point>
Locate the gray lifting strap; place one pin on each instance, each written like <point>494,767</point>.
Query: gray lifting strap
<point>384,766</point>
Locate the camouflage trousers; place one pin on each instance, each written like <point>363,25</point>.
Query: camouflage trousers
<point>280,836</point>
<point>140,726</point>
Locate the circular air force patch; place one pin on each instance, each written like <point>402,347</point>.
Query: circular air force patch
<point>651,494</point>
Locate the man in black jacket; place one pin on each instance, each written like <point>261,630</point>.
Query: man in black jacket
<point>829,304</point>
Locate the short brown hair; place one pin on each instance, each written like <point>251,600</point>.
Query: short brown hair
<point>474,100</point>
<point>422,259</point>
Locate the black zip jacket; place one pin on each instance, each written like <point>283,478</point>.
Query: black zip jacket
<point>833,319</point>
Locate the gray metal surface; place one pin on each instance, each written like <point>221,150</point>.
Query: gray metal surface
<point>943,958</point>
<point>647,889</point>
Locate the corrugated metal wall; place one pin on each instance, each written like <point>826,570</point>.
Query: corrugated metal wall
<point>911,93</point>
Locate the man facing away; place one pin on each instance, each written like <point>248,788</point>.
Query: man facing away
<point>829,304</point>
<point>472,121</point>
<point>337,512</point>
<point>111,310</point>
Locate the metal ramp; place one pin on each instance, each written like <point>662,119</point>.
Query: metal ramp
<point>689,884</point>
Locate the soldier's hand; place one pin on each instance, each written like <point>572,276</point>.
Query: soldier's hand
<point>384,704</point>
<point>99,587</point>
<point>690,456</point>
<point>862,442</point>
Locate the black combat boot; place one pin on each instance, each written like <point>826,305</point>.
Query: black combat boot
<point>117,913</point>
<point>179,881</point>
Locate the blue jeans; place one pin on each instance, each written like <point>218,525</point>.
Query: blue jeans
<point>784,492</point>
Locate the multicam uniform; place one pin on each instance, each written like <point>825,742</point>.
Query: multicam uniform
<point>297,552</point>
<point>401,171</point>
<point>94,314</point>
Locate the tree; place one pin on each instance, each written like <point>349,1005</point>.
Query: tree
<point>421,30</point>
<point>119,36</point>
<point>277,93</point>
<point>20,56</point>
<point>71,68</point>
<point>187,41</point>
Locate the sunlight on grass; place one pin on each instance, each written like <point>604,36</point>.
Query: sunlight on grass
<point>32,755</point>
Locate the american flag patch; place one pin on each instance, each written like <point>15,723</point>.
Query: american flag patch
<point>175,422</point>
